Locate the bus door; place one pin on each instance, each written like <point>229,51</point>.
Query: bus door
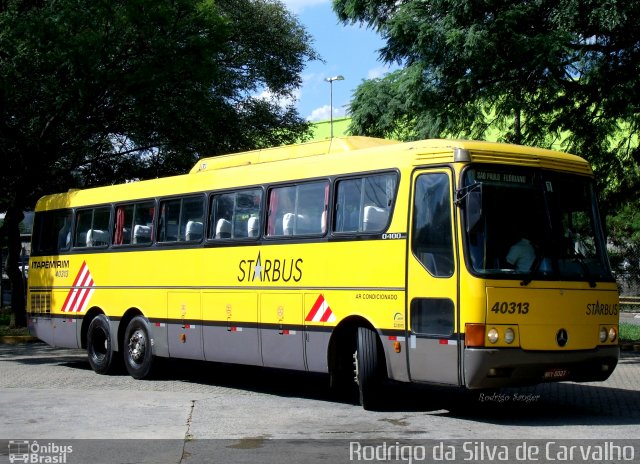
<point>432,301</point>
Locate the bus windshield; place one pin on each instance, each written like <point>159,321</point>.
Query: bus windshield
<point>532,224</point>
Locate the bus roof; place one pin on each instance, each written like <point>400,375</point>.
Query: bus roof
<point>301,150</point>
<point>329,157</point>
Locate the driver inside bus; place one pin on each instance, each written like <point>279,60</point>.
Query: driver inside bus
<point>522,254</point>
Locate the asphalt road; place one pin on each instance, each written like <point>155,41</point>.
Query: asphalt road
<point>203,412</point>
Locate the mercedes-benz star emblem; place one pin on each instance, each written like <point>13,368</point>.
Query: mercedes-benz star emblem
<point>562,337</point>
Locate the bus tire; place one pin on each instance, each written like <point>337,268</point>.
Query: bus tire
<point>138,352</point>
<point>99,347</point>
<point>368,363</point>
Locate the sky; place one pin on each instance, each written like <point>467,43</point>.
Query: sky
<point>349,51</point>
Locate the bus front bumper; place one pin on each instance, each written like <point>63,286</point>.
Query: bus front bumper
<point>495,368</point>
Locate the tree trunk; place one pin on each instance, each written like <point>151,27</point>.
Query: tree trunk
<point>12,231</point>
<point>517,128</point>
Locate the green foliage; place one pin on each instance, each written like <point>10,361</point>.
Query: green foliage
<point>539,72</point>
<point>629,333</point>
<point>624,236</point>
<point>96,92</point>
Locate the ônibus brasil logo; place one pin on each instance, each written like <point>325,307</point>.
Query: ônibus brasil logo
<point>33,452</point>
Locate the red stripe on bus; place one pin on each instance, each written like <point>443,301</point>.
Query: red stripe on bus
<point>75,282</point>
<point>314,310</point>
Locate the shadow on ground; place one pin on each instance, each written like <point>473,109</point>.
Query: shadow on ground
<point>569,403</point>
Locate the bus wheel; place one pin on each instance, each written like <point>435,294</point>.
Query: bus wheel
<point>138,355</point>
<point>368,366</point>
<point>99,349</point>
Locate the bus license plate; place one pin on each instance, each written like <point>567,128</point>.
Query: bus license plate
<point>555,374</point>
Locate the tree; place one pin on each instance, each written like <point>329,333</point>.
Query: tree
<point>624,236</point>
<point>96,92</point>
<point>538,72</point>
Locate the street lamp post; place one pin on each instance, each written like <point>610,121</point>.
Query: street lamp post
<point>330,81</point>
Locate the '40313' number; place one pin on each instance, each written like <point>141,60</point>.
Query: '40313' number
<point>510,307</point>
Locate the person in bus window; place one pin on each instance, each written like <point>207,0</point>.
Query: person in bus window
<point>521,255</point>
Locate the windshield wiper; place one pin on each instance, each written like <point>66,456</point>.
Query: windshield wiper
<point>535,266</point>
<point>578,258</point>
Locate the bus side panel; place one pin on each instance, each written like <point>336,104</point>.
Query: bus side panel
<point>42,328</point>
<point>65,332</point>
<point>316,348</point>
<point>396,360</point>
<point>160,339</point>
<point>281,330</point>
<point>184,330</point>
<point>230,330</point>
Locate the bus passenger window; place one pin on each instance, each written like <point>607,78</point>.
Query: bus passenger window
<point>52,231</point>
<point>134,223</point>
<point>143,222</point>
<point>92,227</point>
<point>235,215</point>
<point>298,210</point>
<point>83,225</point>
<point>191,225</point>
<point>169,220</point>
<point>122,229</point>
<point>364,204</point>
<point>181,220</point>
<point>432,237</point>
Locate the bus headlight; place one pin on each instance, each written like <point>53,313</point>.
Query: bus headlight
<point>613,334</point>
<point>603,334</point>
<point>509,336</point>
<point>492,335</point>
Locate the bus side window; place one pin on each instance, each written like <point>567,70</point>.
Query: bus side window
<point>235,215</point>
<point>122,228</point>
<point>221,215</point>
<point>52,231</point>
<point>169,220</point>
<point>298,209</point>
<point>180,220</point>
<point>64,234</point>
<point>143,216</point>
<point>92,227</point>
<point>364,204</point>
<point>134,223</point>
<point>191,225</point>
<point>83,225</point>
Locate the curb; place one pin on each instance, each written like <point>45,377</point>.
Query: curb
<point>17,339</point>
<point>630,346</point>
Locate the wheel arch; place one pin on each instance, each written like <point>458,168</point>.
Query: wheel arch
<point>342,343</point>
<point>86,321</point>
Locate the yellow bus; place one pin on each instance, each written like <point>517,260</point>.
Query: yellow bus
<point>460,263</point>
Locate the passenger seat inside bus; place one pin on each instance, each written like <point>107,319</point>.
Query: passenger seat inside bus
<point>141,234</point>
<point>301,224</point>
<point>374,218</point>
<point>223,229</point>
<point>96,237</point>
<point>193,231</point>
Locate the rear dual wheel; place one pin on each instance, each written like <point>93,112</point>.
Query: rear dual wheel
<point>138,352</point>
<point>99,347</point>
